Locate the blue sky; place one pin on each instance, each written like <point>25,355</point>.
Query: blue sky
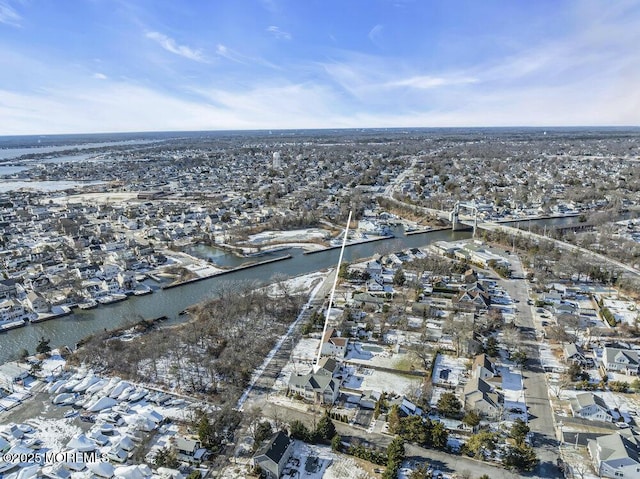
<point>142,65</point>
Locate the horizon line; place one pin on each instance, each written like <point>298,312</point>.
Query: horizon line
<point>325,129</point>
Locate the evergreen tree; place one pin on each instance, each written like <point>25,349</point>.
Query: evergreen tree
<point>439,435</point>
<point>325,430</point>
<point>393,420</point>
<point>43,346</point>
<point>298,430</point>
<point>519,431</point>
<point>449,405</point>
<point>520,457</point>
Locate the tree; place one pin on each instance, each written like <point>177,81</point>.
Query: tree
<point>449,405</point>
<point>491,348</point>
<point>325,430</point>
<point>43,346</point>
<point>343,272</point>
<point>399,277</point>
<point>420,472</point>
<point>519,431</point>
<point>471,418</point>
<point>262,432</point>
<point>519,357</point>
<point>575,373</point>
<point>165,457</point>
<point>336,443</point>
<point>395,456</point>
<point>393,419</point>
<point>520,457</point>
<point>482,441</point>
<point>439,435</point>
<point>297,430</point>
<point>206,431</point>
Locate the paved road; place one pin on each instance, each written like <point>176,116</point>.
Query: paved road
<point>561,244</point>
<point>440,460</point>
<point>535,381</point>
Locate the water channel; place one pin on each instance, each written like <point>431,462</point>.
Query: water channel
<point>170,302</point>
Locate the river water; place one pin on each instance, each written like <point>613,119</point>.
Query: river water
<point>170,302</point>
<point>70,329</point>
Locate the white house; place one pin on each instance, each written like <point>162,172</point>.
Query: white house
<point>620,360</point>
<point>590,406</point>
<point>615,456</point>
<point>333,345</point>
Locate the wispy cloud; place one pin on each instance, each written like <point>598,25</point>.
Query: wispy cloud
<point>427,82</point>
<point>226,52</point>
<point>279,34</point>
<point>100,76</point>
<point>8,15</point>
<point>172,46</point>
<point>375,33</point>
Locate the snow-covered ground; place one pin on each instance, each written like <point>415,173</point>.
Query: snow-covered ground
<point>362,379</point>
<point>303,356</point>
<point>515,406</point>
<point>307,234</point>
<point>549,360</point>
<point>310,462</point>
<point>297,285</point>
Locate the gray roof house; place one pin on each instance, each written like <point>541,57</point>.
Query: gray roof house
<point>572,353</point>
<point>620,360</point>
<point>273,456</point>
<point>590,406</point>
<point>480,396</point>
<point>615,455</point>
<point>317,387</point>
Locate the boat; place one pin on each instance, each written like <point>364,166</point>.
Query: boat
<point>8,325</point>
<point>89,304</point>
<point>112,298</point>
<point>56,312</point>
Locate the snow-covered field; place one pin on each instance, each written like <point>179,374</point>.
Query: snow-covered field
<point>306,234</point>
<point>363,379</point>
<point>297,285</point>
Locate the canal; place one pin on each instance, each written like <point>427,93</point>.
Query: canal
<point>170,302</point>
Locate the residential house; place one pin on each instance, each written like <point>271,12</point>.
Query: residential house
<point>483,367</point>
<point>590,406</point>
<point>273,456</point>
<point>480,396</point>
<point>333,345</point>
<point>7,288</point>
<point>573,354</point>
<point>615,455</point>
<point>477,299</point>
<point>618,360</point>
<point>37,303</point>
<point>189,450</point>
<point>317,387</point>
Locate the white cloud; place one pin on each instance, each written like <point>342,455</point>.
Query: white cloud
<point>279,34</point>
<point>170,45</point>
<point>100,76</point>
<point>426,82</point>
<point>8,15</point>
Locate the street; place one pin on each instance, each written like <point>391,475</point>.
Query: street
<point>535,381</point>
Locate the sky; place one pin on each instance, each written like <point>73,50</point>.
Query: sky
<point>83,66</point>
